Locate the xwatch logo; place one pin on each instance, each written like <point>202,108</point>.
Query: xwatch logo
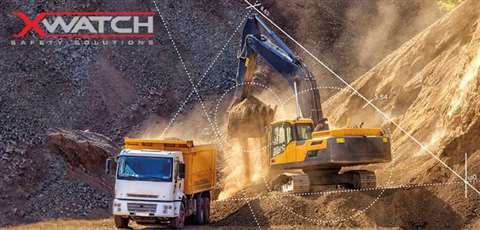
<point>88,25</point>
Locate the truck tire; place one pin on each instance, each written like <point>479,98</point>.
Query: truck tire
<point>189,220</point>
<point>179,222</point>
<point>198,218</point>
<point>120,222</point>
<point>206,213</point>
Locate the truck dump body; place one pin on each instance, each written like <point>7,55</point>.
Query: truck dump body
<point>200,166</point>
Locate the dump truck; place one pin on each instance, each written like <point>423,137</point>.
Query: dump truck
<point>166,182</point>
<point>304,154</point>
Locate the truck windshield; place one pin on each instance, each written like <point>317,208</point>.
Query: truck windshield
<point>145,168</point>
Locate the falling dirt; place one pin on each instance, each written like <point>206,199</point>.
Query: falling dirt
<point>244,154</point>
<point>242,166</point>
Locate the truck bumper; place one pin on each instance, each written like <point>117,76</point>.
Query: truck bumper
<point>145,208</point>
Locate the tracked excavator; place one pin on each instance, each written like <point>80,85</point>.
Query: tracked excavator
<point>303,153</point>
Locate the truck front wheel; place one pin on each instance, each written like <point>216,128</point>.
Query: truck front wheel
<point>179,222</point>
<point>120,222</point>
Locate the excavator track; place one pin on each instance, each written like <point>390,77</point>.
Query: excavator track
<point>364,179</point>
<point>326,180</point>
<point>297,183</point>
<point>292,183</point>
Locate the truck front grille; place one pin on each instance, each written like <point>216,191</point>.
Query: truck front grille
<point>139,207</point>
<point>141,195</point>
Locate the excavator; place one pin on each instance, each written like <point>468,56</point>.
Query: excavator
<point>305,154</point>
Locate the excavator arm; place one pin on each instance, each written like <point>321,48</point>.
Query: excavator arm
<point>259,40</point>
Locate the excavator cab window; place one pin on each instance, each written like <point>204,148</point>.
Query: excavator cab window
<point>281,135</point>
<point>304,132</point>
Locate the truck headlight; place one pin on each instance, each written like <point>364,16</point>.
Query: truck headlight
<point>167,207</point>
<point>118,206</point>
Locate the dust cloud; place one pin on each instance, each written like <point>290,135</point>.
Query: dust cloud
<point>384,29</point>
<point>190,126</point>
<point>245,158</point>
<point>467,81</point>
<point>243,165</point>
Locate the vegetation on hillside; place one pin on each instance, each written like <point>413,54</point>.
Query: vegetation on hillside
<point>449,4</point>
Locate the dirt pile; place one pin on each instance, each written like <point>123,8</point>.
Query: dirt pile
<point>82,149</point>
<point>430,88</point>
<point>39,185</point>
<point>249,118</point>
<point>409,209</point>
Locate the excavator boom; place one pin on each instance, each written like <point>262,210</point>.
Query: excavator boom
<point>259,40</point>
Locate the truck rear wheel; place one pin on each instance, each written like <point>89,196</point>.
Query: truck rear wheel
<point>199,217</point>
<point>206,212</point>
<point>120,222</point>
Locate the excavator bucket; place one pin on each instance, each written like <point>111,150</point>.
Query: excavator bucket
<point>249,118</point>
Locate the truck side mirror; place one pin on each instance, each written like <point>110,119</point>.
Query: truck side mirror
<point>108,166</point>
<point>181,170</point>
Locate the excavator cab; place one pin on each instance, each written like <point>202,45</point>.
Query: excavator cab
<point>287,138</point>
<point>320,155</point>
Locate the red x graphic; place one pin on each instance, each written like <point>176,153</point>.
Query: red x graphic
<point>29,24</point>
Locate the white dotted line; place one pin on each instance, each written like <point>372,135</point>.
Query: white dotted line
<point>244,193</point>
<point>276,96</point>
<point>307,218</point>
<point>212,126</point>
<point>385,115</point>
<point>393,187</point>
<point>281,104</point>
<point>251,210</point>
<point>182,105</point>
<point>217,106</point>
<point>215,129</point>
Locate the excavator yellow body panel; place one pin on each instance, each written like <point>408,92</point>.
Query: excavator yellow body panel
<point>292,149</point>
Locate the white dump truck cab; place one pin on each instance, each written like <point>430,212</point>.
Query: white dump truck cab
<point>148,184</point>
<point>162,182</point>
